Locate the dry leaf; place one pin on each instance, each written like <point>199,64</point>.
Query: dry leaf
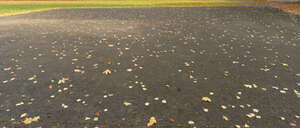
<point>171,119</point>
<point>106,72</point>
<point>30,120</point>
<point>248,85</point>
<point>191,122</point>
<point>97,113</point>
<point>23,115</point>
<point>151,122</point>
<point>127,103</point>
<point>225,117</point>
<point>206,99</point>
<point>284,64</point>
<point>77,70</point>
<point>109,62</point>
<point>226,74</point>
<point>32,78</point>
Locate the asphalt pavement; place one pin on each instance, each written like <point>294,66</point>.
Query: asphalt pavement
<point>204,67</point>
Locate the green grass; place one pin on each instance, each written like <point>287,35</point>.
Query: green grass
<point>15,7</point>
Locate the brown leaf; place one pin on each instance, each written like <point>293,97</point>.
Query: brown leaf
<point>97,113</point>
<point>171,119</point>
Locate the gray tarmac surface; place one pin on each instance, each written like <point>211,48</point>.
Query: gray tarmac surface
<point>163,61</point>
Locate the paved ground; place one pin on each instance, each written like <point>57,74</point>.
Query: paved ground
<point>166,63</point>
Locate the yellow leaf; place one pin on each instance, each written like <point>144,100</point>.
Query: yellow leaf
<point>206,99</point>
<point>77,70</point>
<point>30,120</point>
<point>65,79</point>
<point>248,85</point>
<point>127,103</point>
<point>151,122</point>
<point>106,72</point>
<point>284,64</point>
<point>31,78</point>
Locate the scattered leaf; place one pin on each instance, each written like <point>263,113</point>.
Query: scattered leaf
<point>127,103</point>
<point>151,122</point>
<point>30,120</point>
<point>284,64</point>
<point>206,99</point>
<point>106,72</point>
<point>191,122</point>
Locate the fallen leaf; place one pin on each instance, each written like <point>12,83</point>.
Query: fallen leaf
<point>225,117</point>
<point>147,104</point>
<point>171,119</point>
<point>129,70</point>
<point>248,85</point>
<point>23,115</point>
<point>191,122</point>
<point>205,109</point>
<point>206,99</point>
<point>30,120</point>
<point>95,118</point>
<point>87,118</point>
<point>77,70</point>
<point>293,124</point>
<point>32,78</point>
<point>106,72</point>
<point>97,113</point>
<point>284,64</point>
<point>226,74</point>
<point>127,103</point>
<point>151,122</point>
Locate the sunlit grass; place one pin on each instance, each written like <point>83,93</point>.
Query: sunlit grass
<point>12,7</point>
